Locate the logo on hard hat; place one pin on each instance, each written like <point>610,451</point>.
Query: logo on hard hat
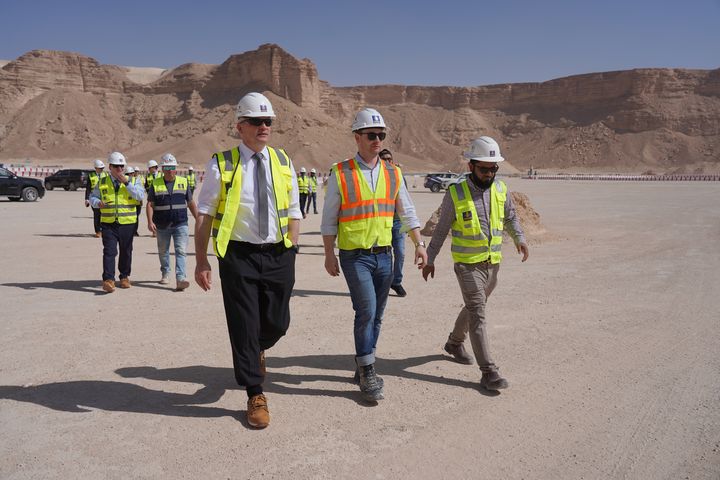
<point>263,108</point>
<point>376,118</point>
<point>492,153</point>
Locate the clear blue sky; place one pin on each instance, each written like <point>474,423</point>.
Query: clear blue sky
<point>462,43</point>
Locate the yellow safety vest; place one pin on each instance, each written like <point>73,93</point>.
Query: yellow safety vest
<point>366,217</point>
<point>191,179</point>
<point>313,181</point>
<point>469,243</point>
<point>302,184</point>
<point>231,186</point>
<point>119,205</point>
<point>95,178</point>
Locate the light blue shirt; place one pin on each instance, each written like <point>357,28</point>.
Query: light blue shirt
<point>331,209</point>
<point>135,190</point>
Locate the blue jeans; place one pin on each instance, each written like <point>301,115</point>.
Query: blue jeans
<point>368,277</point>
<point>179,236</point>
<point>398,246</point>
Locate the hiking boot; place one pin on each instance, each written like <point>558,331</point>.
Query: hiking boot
<point>108,286</point>
<point>370,387</point>
<point>125,283</point>
<point>356,378</point>
<point>493,381</point>
<point>399,290</point>
<point>182,285</point>
<point>164,280</point>
<point>263,370</point>
<point>258,415</point>
<point>458,353</point>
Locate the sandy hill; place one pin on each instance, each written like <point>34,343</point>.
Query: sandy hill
<point>62,105</point>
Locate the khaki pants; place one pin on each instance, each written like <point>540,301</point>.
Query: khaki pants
<point>477,281</point>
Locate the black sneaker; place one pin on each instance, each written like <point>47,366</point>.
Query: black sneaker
<point>493,381</point>
<point>399,290</point>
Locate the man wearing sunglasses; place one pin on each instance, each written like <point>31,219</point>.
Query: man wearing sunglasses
<point>363,194</point>
<point>116,196</point>
<point>477,210</point>
<point>249,203</point>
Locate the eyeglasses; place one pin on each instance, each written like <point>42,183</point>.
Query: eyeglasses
<point>168,168</point>
<point>492,169</point>
<point>117,166</point>
<point>256,122</point>
<point>372,136</point>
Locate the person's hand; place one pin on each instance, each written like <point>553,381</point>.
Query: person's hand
<point>331,265</point>
<point>428,270</point>
<point>87,203</point>
<point>421,256</point>
<point>203,274</point>
<point>152,227</point>
<point>102,204</point>
<point>522,248</point>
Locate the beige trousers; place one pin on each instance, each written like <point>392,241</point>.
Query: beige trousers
<point>477,281</point>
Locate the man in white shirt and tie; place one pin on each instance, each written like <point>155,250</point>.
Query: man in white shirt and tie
<point>249,203</point>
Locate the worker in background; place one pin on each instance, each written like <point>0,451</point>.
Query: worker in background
<point>169,199</point>
<point>303,187</point>
<point>191,179</point>
<point>152,174</point>
<point>115,196</point>
<point>398,239</point>
<point>477,210</point>
<point>92,180</point>
<point>312,191</point>
<point>362,196</point>
<point>132,175</point>
<point>249,202</point>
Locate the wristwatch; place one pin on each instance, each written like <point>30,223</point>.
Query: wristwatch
<point>420,244</point>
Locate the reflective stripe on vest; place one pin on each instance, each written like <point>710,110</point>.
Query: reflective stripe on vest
<point>164,200</point>
<point>119,205</point>
<point>191,179</point>
<point>231,187</point>
<point>302,184</point>
<point>366,217</point>
<point>469,243</point>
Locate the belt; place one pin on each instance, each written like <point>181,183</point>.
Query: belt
<point>261,247</point>
<point>371,250</point>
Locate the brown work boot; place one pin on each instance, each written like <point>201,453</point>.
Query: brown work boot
<point>493,381</point>
<point>182,285</point>
<point>262,363</point>
<point>258,415</point>
<point>125,283</point>
<point>108,286</point>
<point>458,352</point>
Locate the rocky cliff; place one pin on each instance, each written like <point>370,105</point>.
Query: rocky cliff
<point>66,105</point>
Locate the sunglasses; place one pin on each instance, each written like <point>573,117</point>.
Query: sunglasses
<point>492,169</point>
<point>372,136</point>
<point>117,166</point>
<point>168,168</point>
<point>256,122</point>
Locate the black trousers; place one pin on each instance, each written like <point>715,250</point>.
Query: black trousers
<point>256,286</point>
<point>96,220</point>
<point>114,235</point>
<point>138,208</point>
<point>312,197</point>
<point>303,201</point>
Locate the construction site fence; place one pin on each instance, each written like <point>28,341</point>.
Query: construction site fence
<point>42,172</point>
<point>629,178</point>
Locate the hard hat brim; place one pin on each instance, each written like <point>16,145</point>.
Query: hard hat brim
<point>484,159</point>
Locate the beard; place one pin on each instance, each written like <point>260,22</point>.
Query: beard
<point>483,184</point>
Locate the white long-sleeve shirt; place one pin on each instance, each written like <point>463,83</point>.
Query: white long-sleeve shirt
<point>246,227</point>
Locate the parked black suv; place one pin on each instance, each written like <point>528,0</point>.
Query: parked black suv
<point>15,188</point>
<point>69,179</point>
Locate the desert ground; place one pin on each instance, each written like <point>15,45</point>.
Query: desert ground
<point>608,336</point>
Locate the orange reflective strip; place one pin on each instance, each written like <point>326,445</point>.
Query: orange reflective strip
<point>365,216</point>
<point>361,203</point>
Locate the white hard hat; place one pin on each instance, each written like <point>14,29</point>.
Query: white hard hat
<point>130,170</point>
<point>368,118</point>
<point>152,163</point>
<point>302,170</point>
<point>168,160</point>
<point>191,167</point>
<point>484,149</point>
<point>116,158</point>
<point>254,105</point>
<point>312,170</point>
<point>99,163</point>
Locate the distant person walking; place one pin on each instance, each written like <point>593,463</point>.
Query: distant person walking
<point>152,174</point>
<point>115,196</point>
<point>362,196</point>
<point>249,202</point>
<point>477,210</point>
<point>133,175</point>
<point>312,191</point>
<point>398,239</point>
<point>93,179</point>
<point>303,188</point>
<point>191,179</point>
<point>169,199</point>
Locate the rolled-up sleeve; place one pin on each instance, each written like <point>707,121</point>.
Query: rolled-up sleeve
<point>447,215</point>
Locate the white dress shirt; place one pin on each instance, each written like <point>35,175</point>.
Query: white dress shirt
<point>246,227</point>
